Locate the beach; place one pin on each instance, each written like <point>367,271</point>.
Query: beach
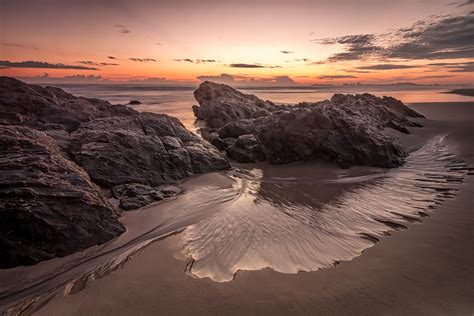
<point>425,269</point>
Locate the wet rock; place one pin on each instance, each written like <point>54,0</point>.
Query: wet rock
<point>135,195</point>
<point>48,205</point>
<point>348,129</point>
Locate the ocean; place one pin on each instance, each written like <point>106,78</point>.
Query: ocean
<point>177,100</point>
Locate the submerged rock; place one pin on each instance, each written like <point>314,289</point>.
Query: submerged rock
<point>348,129</point>
<point>48,205</point>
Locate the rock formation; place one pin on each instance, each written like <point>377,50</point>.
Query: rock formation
<point>48,205</point>
<point>348,129</point>
<point>56,148</point>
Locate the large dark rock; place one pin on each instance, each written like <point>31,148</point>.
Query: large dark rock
<point>220,104</point>
<point>148,148</point>
<point>50,108</point>
<point>348,129</point>
<point>48,205</point>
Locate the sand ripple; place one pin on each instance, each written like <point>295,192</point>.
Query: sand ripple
<point>260,230</point>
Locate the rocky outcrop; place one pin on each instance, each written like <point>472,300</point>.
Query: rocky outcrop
<point>56,148</point>
<point>48,205</point>
<point>348,129</point>
<point>150,149</point>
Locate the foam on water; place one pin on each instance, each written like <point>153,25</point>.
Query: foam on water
<point>257,230</point>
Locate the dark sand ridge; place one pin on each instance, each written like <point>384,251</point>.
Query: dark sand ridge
<point>425,269</point>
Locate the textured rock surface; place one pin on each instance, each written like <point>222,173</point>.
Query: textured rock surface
<point>348,129</point>
<point>135,195</point>
<point>148,148</point>
<point>48,205</point>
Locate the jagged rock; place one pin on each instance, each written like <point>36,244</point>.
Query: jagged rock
<point>246,149</point>
<point>36,107</point>
<point>348,129</point>
<point>220,104</point>
<point>48,205</point>
<point>147,148</point>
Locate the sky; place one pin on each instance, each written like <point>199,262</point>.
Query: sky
<point>236,42</point>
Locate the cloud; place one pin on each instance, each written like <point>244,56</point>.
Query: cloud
<point>356,46</point>
<point>468,2</point>
<point>197,61</point>
<point>46,79</point>
<point>142,60</point>
<point>185,59</point>
<point>243,65</point>
<point>318,62</point>
<point>111,57</point>
<point>386,67</point>
<point>159,44</point>
<point>41,64</point>
<point>337,77</point>
<point>246,81</point>
<point>222,78</point>
<point>438,37</point>
<point>122,28</point>
<point>203,61</point>
<point>19,45</point>
<point>93,63</point>
<point>456,67</point>
<point>287,52</point>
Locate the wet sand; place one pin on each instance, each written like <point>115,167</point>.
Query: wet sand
<point>427,269</point>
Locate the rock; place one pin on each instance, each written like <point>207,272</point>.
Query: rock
<point>348,129</point>
<point>134,102</point>
<point>135,195</point>
<point>147,148</point>
<point>220,104</point>
<point>246,149</point>
<point>36,107</point>
<point>48,205</point>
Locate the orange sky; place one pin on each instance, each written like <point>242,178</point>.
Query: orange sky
<point>246,39</point>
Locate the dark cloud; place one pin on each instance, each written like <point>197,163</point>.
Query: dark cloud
<point>287,52</point>
<point>93,63</point>
<point>142,60</point>
<point>468,2</point>
<point>318,62</point>
<point>337,77</point>
<point>386,67</point>
<point>456,67</point>
<point>203,61</point>
<point>123,28</point>
<point>111,57</point>
<point>433,77</point>
<point>159,44</point>
<point>438,37</point>
<point>356,46</point>
<point>41,64</point>
<point>243,65</point>
<point>19,46</point>
<point>188,60</point>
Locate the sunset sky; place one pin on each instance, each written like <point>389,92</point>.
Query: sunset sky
<point>264,42</point>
